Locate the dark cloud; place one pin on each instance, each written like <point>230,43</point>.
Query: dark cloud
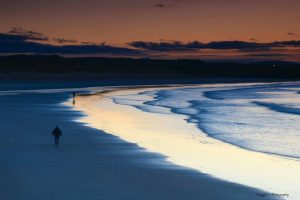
<point>267,55</point>
<point>27,34</point>
<point>98,49</point>
<point>161,5</point>
<point>195,45</point>
<point>4,37</point>
<point>292,34</point>
<point>21,43</point>
<point>19,40</point>
<point>234,45</point>
<point>166,46</point>
<point>63,40</point>
<point>254,40</point>
<point>218,45</point>
<point>88,43</point>
<point>290,43</point>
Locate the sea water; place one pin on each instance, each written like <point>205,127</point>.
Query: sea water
<point>262,117</point>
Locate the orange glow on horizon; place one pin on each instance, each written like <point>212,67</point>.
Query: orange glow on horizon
<point>118,22</point>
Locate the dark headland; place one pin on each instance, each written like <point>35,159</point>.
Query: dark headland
<point>53,67</point>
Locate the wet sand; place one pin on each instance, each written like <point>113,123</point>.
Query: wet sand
<point>185,145</point>
<point>89,163</point>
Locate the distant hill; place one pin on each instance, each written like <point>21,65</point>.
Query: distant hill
<point>34,66</point>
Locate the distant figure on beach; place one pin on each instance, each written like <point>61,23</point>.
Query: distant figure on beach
<point>56,133</point>
<point>74,95</point>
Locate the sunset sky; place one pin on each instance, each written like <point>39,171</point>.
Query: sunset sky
<point>119,22</point>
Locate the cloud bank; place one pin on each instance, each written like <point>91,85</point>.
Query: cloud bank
<point>19,40</point>
<point>22,41</point>
<point>27,34</point>
<point>217,45</point>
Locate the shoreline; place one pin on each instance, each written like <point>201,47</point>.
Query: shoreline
<point>265,161</point>
<point>89,163</point>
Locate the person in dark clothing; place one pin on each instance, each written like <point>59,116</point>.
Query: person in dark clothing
<point>56,133</point>
<point>74,96</point>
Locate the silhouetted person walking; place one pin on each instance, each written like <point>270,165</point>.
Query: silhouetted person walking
<point>56,133</point>
<point>74,96</point>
